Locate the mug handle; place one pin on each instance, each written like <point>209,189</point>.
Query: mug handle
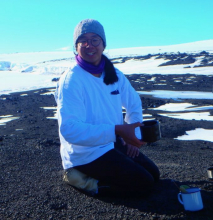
<point>179,198</point>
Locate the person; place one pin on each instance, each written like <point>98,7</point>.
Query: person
<point>100,153</point>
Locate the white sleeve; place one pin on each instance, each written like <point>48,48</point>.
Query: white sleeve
<point>132,103</point>
<point>72,115</point>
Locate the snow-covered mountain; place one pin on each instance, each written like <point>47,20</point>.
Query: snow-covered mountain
<point>194,47</point>
<point>159,60</point>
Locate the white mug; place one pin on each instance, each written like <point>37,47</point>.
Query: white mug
<point>191,200</point>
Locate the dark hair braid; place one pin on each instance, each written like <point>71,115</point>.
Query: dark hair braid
<point>110,73</point>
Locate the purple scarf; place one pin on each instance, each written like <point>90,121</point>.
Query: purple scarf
<point>90,67</point>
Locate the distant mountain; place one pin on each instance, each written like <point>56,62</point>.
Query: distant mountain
<point>34,57</point>
<point>205,59</point>
<point>174,59</point>
<point>194,47</point>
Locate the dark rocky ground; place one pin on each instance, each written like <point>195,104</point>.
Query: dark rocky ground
<point>31,172</point>
<point>206,59</point>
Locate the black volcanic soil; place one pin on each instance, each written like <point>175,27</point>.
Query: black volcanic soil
<point>31,185</point>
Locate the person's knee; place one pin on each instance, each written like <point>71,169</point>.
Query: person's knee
<point>156,174</point>
<point>145,182</point>
<point>81,181</point>
<point>149,181</point>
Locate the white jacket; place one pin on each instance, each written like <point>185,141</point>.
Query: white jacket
<point>88,111</point>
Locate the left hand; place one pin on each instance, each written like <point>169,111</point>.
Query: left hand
<point>127,133</point>
<point>132,151</point>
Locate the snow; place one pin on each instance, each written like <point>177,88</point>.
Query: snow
<point>13,81</point>
<point>35,70</point>
<point>53,64</point>
<point>204,134</point>
<point>35,57</point>
<point>193,47</point>
<point>151,67</point>
<point>181,107</point>
<point>59,59</point>
<point>190,116</point>
<point>6,118</point>
<point>178,95</point>
<point>4,65</point>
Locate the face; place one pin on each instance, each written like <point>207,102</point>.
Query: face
<point>90,53</point>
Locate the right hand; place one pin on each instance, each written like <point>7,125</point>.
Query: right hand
<point>127,132</point>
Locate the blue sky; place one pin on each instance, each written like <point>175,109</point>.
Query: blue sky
<point>47,25</point>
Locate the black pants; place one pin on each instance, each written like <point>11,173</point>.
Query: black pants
<point>121,173</point>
